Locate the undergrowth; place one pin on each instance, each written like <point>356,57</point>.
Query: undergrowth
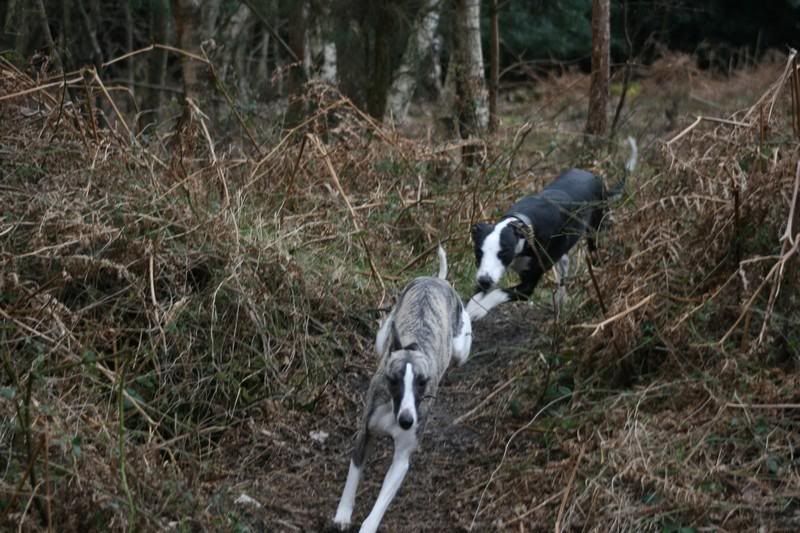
<point>176,313</point>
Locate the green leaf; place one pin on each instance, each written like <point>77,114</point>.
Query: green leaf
<point>8,393</point>
<point>132,394</point>
<point>76,446</point>
<point>89,358</point>
<point>773,466</point>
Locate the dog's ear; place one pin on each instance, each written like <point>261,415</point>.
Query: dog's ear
<point>396,343</point>
<point>480,231</point>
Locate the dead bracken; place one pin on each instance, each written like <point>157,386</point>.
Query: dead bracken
<point>184,321</point>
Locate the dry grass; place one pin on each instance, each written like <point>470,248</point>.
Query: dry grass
<point>179,314</point>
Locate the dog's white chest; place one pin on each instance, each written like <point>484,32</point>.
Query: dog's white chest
<point>382,420</point>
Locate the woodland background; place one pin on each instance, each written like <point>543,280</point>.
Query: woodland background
<point>206,207</point>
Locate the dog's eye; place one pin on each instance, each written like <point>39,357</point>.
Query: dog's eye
<point>421,381</point>
<point>393,380</point>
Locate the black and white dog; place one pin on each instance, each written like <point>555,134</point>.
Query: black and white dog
<point>427,327</point>
<point>537,233</point>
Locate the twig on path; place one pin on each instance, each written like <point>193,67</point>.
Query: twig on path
<point>596,287</point>
<point>780,406</point>
<point>486,400</point>
<point>505,452</point>
<point>568,489</point>
<point>599,327</point>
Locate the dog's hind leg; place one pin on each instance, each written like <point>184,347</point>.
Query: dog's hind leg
<point>405,443</point>
<point>462,342</point>
<point>344,511</point>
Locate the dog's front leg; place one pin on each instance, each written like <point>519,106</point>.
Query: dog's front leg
<point>404,444</point>
<point>480,304</point>
<point>483,302</point>
<point>344,511</point>
<point>562,272</point>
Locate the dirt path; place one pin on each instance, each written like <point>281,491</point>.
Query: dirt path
<point>298,480</point>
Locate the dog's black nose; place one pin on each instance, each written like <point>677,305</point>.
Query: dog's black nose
<point>484,283</point>
<point>405,420</point>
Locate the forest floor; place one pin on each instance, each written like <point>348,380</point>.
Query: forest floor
<point>186,340</point>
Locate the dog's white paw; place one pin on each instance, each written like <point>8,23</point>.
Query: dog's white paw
<point>480,304</point>
<point>342,519</point>
<point>341,526</point>
<point>475,310</point>
<point>369,526</point>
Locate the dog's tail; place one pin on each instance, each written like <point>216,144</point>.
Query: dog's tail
<point>442,262</point>
<point>630,165</point>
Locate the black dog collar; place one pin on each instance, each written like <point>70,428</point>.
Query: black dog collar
<point>524,224</point>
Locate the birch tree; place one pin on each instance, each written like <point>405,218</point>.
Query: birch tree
<point>236,39</point>
<point>464,93</point>
<point>596,121</point>
<point>494,64</point>
<point>321,56</point>
<point>470,87</point>
<point>297,76</point>
<point>420,44</point>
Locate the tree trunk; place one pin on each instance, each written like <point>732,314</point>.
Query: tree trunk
<point>157,60</point>
<point>66,31</point>
<point>471,88</point>
<point>328,72</point>
<point>279,76</point>
<point>494,72</point>
<point>129,48</point>
<point>626,78</point>
<point>210,17</point>
<point>262,66</point>
<point>596,121</point>
<point>447,119</point>
<point>97,52</point>
<point>48,36</point>
<point>240,60</point>
<point>297,76</point>
<point>188,23</point>
<point>235,37</point>
<point>380,69</point>
<point>8,25</point>
<point>321,57</point>
<point>17,26</point>
<point>420,44</point>
<point>471,113</point>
